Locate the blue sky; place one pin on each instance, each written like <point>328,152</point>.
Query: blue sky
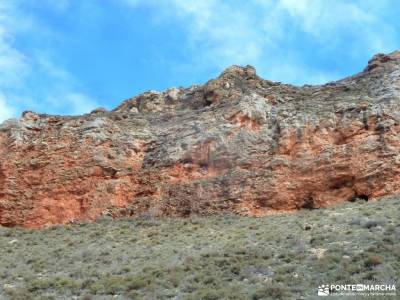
<point>70,56</point>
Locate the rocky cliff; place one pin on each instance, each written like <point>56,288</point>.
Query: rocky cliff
<point>236,144</point>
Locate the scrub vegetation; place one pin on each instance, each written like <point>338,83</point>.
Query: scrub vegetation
<point>219,257</point>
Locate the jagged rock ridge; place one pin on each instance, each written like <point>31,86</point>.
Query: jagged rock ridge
<point>236,144</point>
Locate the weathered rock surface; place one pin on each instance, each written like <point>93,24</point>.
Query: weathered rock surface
<point>237,144</point>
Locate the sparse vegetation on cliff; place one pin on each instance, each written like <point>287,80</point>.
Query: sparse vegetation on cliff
<point>221,257</point>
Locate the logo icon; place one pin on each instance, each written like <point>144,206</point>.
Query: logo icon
<point>323,290</point>
<point>360,287</point>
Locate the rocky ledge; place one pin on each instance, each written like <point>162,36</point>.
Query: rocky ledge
<point>237,144</point>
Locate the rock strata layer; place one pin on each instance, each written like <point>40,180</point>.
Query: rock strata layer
<point>237,144</point>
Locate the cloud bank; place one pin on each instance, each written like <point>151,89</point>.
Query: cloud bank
<point>270,34</point>
<point>31,79</point>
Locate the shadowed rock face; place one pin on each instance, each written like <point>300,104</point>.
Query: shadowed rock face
<point>236,144</point>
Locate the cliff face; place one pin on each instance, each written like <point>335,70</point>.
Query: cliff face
<point>236,144</point>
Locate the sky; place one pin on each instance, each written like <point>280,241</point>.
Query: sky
<point>71,56</point>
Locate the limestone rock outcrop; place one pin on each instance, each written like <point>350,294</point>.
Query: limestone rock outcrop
<point>236,144</point>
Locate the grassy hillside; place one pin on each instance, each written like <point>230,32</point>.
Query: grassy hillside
<point>220,257</point>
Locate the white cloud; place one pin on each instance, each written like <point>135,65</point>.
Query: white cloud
<point>328,19</point>
<point>80,103</point>
<point>217,32</point>
<point>34,80</point>
<point>70,102</point>
<point>220,33</point>
<point>13,64</point>
<point>6,110</point>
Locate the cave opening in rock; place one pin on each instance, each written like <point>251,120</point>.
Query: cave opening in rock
<point>359,197</point>
<point>363,197</point>
<point>308,203</point>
